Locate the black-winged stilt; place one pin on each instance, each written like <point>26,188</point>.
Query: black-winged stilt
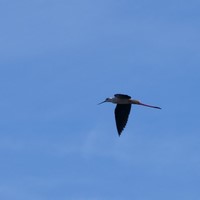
<point>123,109</point>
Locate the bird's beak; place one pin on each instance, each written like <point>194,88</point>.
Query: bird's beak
<point>101,102</point>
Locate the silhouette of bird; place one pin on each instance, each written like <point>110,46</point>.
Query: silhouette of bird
<point>123,109</point>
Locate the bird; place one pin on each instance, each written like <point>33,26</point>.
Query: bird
<point>123,109</point>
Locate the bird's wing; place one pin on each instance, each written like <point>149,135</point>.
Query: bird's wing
<point>122,96</point>
<point>121,116</point>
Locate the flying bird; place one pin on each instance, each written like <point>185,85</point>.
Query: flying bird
<point>123,109</point>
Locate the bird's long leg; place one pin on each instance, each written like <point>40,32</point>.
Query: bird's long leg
<point>142,104</point>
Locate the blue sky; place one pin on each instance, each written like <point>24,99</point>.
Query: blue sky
<point>58,59</point>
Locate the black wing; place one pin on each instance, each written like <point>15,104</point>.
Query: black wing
<point>121,116</point>
<point>122,96</point>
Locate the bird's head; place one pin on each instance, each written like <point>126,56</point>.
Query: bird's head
<point>106,100</point>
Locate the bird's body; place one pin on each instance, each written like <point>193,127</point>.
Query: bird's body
<point>123,109</point>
